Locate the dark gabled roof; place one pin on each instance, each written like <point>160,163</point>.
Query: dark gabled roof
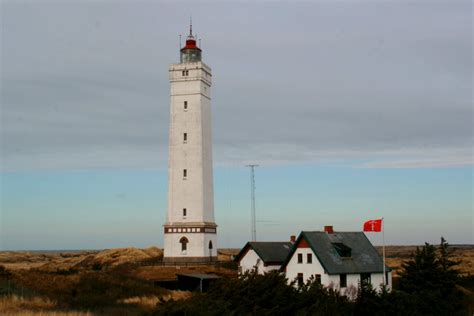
<point>269,251</point>
<point>363,258</point>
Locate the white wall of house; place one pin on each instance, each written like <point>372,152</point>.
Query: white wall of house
<point>252,259</point>
<point>309,269</point>
<point>353,280</point>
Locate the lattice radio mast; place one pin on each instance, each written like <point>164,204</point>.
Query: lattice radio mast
<point>252,196</point>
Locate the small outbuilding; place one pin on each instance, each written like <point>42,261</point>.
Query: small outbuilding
<point>196,281</point>
<point>263,256</point>
<point>341,260</point>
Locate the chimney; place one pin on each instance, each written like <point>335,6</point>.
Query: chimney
<point>328,229</point>
<point>293,238</point>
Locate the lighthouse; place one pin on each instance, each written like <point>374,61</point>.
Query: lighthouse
<point>190,230</point>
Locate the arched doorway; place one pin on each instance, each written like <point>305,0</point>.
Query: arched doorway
<point>184,244</point>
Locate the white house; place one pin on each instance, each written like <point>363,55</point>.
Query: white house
<point>341,260</point>
<point>264,256</point>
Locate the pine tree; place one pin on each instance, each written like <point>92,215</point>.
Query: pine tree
<point>430,278</point>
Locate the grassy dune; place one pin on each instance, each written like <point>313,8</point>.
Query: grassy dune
<point>116,282</point>
<point>15,305</point>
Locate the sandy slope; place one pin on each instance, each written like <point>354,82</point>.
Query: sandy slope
<point>83,259</point>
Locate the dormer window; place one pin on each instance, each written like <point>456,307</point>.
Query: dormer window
<point>343,250</point>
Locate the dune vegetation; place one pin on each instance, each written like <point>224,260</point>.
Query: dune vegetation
<point>122,282</point>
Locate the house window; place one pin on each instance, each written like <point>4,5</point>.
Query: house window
<point>365,278</point>
<point>185,137</point>
<point>309,258</point>
<point>184,212</point>
<point>342,280</point>
<point>184,244</point>
<point>300,258</point>
<point>185,105</point>
<point>185,173</point>
<point>299,279</point>
<point>318,278</point>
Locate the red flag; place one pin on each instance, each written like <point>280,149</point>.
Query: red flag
<point>374,225</point>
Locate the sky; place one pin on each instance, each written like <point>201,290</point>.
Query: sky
<point>354,110</point>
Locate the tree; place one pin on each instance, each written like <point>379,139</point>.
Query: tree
<point>430,278</point>
<point>450,275</point>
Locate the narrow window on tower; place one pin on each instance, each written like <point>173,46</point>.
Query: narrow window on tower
<point>185,137</point>
<point>184,73</point>
<point>185,173</point>
<point>187,72</point>
<point>184,212</point>
<point>185,105</point>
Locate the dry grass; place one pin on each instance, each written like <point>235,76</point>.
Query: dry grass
<point>149,302</point>
<point>33,313</point>
<point>145,302</point>
<point>15,305</point>
<point>227,254</point>
<point>53,261</point>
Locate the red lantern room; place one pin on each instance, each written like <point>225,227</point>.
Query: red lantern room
<point>190,53</point>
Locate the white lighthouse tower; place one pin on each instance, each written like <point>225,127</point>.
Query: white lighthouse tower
<point>190,230</point>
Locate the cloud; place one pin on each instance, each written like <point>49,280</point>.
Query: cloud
<point>84,85</point>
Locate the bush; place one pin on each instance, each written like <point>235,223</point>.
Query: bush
<point>256,294</point>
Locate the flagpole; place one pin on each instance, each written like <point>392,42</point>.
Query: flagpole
<point>383,252</point>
